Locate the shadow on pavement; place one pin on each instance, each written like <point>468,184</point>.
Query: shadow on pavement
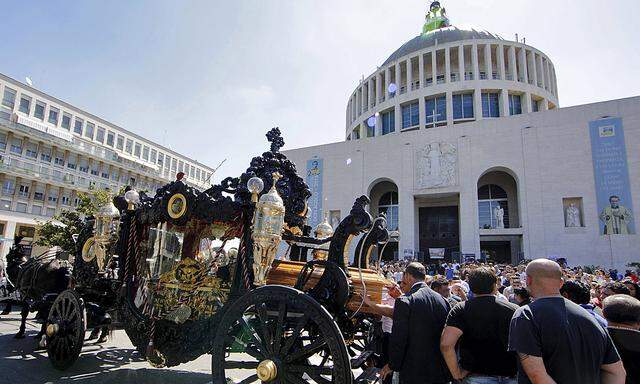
<point>96,364</point>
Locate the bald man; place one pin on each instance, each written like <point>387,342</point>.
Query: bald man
<point>558,341</point>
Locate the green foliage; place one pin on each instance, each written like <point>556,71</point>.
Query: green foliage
<point>59,230</point>
<point>89,203</point>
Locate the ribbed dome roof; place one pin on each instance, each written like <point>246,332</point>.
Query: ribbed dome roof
<point>439,36</point>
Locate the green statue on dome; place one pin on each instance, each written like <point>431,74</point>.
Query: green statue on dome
<point>435,19</point>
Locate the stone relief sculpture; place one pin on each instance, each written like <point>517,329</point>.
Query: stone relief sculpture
<point>572,216</point>
<point>436,165</point>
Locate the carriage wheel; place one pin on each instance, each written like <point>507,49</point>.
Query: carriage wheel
<point>277,334</point>
<point>65,329</point>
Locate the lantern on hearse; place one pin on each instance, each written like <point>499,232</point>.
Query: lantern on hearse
<point>268,223</point>
<point>322,231</point>
<point>107,221</point>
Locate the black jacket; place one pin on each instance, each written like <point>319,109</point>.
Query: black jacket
<point>414,348</point>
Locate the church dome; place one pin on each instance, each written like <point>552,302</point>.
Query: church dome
<point>439,36</point>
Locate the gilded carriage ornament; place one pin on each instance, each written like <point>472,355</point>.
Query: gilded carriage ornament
<point>105,225</point>
<point>177,206</point>
<point>188,292</point>
<point>268,222</point>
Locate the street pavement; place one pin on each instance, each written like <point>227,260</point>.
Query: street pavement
<point>115,361</point>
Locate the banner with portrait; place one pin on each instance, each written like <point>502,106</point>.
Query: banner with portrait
<point>314,181</point>
<point>611,175</point>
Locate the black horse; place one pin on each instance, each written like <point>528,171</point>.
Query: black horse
<point>37,280</point>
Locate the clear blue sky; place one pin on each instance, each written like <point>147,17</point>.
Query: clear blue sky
<point>209,78</point>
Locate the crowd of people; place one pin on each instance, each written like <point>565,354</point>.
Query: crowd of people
<point>480,323</point>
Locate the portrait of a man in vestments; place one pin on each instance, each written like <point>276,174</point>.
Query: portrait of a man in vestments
<point>616,217</point>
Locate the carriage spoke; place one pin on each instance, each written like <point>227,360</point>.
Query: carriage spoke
<point>240,364</point>
<point>251,379</point>
<point>278,334</point>
<point>295,335</point>
<point>254,352</point>
<point>307,350</point>
<point>266,332</point>
<point>310,369</point>
<point>258,339</point>
<point>295,379</point>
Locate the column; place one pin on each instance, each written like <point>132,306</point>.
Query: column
<point>9,233</point>
<point>501,69</point>
<point>534,68</point>
<point>370,88</point>
<point>449,101</point>
<point>546,75</point>
<point>527,103</point>
<point>363,99</point>
<point>407,224</point>
<point>398,78</point>
<point>378,87</point>
<point>25,143</point>
<point>447,65</point>
<point>512,63</point>
<point>474,62</point>
<point>523,65</point>
<point>477,103</point>
<point>488,61</point>
<point>504,102</point>
<point>461,62</point>
<point>59,202</point>
<point>358,102</point>
<point>469,223</point>
<point>421,111</point>
<point>398,117</point>
<point>47,106</point>
<point>10,136</point>
<point>434,67</point>
<point>409,75</point>
<point>387,81</point>
<point>378,127</point>
<point>421,69</point>
<point>45,197</point>
<point>32,190</point>
<point>552,71</point>
<point>541,69</point>
<point>544,105</point>
<point>16,191</point>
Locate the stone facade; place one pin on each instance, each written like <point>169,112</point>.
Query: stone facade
<point>547,154</point>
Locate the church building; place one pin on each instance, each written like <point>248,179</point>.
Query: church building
<point>459,139</point>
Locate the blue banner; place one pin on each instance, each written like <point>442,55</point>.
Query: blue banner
<point>613,193</point>
<point>314,181</point>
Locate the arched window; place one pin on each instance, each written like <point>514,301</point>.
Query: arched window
<point>490,197</point>
<point>388,204</point>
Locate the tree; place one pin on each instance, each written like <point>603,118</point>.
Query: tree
<point>59,230</point>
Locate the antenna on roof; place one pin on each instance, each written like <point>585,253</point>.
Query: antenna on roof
<point>29,81</point>
<point>214,170</point>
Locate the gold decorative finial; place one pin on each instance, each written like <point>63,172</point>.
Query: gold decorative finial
<point>276,176</point>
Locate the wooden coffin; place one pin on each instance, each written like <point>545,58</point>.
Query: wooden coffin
<point>285,272</point>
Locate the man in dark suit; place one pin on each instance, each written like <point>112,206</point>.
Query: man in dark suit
<point>418,319</point>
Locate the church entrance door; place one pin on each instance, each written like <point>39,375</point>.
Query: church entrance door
<point>439,228</point>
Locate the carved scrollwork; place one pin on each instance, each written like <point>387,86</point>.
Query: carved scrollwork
<point>358,221</point>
